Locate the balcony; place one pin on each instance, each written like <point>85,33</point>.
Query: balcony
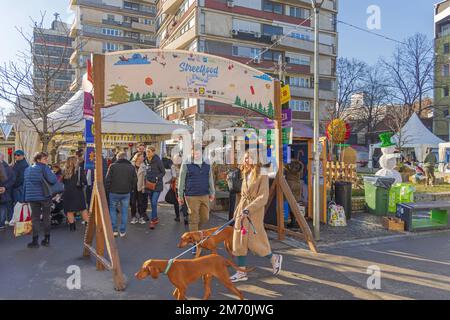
<point>117,39</point>
<point>115,23</point>
<point>143,27</point>
<point>107,7</point>
<point>181,41</point>
<point>289,43</point>
<point>170,7</point>
<point>309,93</point>
<point>247,36</point>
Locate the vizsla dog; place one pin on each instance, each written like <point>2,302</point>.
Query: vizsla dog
<point>184,272</point>
<point>225,236</point>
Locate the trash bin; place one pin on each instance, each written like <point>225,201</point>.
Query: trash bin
<point>376,191</point>
<point>400,193</point>
<point>343,197</point>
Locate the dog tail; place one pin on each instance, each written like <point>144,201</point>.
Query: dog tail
<point>235,267</point>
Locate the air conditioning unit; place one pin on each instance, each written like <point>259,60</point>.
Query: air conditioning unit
<point>275,38</point>
<point>230,3</point>
<point>257,35</point>
<point>234,32</point>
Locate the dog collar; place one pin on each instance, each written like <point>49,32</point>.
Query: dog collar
<point>169,264</point>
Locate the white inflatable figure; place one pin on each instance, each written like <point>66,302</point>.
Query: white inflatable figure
<point>388,160</point>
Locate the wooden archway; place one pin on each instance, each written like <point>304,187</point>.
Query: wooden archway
<point>178,74</point>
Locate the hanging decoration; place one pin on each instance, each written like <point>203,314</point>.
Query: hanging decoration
<point>338,131</point>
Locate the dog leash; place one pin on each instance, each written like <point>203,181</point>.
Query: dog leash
<point>169,264</point>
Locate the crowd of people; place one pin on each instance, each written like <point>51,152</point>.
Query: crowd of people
<point>134,185</point>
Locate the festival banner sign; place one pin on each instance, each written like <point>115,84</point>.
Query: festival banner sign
<point>89,158</point>
<point>89,131</point>
<point>158,74</point>
<point>286,120</point>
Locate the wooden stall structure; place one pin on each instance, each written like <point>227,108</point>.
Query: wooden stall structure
<point>176,74</point>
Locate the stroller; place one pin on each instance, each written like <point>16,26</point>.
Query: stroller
<point>57,215</point>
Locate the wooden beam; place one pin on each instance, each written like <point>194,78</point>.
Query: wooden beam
<point>298,216</point>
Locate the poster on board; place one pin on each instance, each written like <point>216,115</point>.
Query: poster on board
<point>160,74</point>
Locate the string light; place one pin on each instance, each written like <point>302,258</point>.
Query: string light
<point>371,32</point>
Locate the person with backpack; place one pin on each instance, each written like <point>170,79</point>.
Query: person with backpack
<point>155,172</point>
<point>234,181</point>
<point>37,190</point>
<point>74,199</point>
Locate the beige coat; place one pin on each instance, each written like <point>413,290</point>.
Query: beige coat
<point>254,198</point>
<point>141,172</point>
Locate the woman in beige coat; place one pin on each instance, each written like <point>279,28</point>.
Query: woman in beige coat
<point>254,195</point>
<point>138,197</point>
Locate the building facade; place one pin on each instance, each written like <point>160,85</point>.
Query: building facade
<point>52,49</point>
<point>258,33</point>
<point>110,25</point>
<point>442,70</point>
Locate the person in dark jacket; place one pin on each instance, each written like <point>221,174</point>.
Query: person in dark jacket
<point>40,201</point>
<point>74,200</point>
<point>19,168</point>
<point>120,181</point>
<point>155,173</point>
<point>7,178</point>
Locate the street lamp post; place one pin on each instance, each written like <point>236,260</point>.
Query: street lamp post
<point>316,4</point>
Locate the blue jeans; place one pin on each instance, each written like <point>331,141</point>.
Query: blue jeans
<point>3,214</point>
<point>153,197</point>
<point>114,200</point>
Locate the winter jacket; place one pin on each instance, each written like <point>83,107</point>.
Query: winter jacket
<point>121,177</point>
<point>19,170</point>
<point>140,172</point>
<point>155,172</point>
<point>7,183</point>
<point>33,182</point>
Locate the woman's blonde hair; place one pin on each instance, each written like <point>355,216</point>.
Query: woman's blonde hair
<point>70,167</point>
<point>254,168</point>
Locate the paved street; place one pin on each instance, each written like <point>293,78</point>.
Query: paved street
<point>411,268</point>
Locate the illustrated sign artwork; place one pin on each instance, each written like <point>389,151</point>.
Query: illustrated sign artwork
<point>286,120</point>
<point>160,74</point>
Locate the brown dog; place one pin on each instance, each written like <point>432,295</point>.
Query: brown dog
<point>184,272</point>
<point>225,236</point>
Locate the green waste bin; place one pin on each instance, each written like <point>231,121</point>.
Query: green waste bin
<point>376,191</point>
<point>400,193</point>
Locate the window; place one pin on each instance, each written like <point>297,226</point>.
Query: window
<point>110,17</point>
<point>301,82</point>
<point>246,52</point>
<point>446,48</point>
<point>146,21</point>
<point>131,5</point>
<point>271,55</point>
<point>270,6</point>
<point>446,70</point>
<point>300,105</point>
<point>269,30</point>
<point>298,59</point>
<point>446,92</point>
<point>246,26</point>
<point>112,32</point>
<point>108,46</point>
<point>299,12</point>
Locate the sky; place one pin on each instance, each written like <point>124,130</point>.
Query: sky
<point>398,20</point>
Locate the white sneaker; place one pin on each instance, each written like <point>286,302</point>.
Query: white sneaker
<point>116,234</point>
<point>123,234</point>
<point>142,221</point>
<point>11,223</point>
<point>276,260</point>
<point>239,276</point>
<point>134,220</point>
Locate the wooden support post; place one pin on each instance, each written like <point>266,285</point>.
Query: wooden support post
<point>102,227</point>
<point>279,159</point>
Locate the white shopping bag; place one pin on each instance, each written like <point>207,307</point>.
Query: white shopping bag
<point>18,210</point>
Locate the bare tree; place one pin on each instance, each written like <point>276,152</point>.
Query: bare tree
<point>396,118</point>
<point>350,74</point>
<point>31,83</point>
<point>410,72</point>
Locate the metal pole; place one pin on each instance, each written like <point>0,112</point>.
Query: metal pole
<point>316,186</point>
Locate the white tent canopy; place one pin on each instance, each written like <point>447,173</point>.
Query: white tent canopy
<point>413,135</point>
<point>132,118</point>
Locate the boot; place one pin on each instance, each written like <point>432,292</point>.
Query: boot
<point>72,227</point>
<point>46,241</point>
<point>34,243</point>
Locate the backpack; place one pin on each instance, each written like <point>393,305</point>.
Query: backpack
<point>234,180</point>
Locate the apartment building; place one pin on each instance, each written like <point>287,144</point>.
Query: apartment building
<point>442,70</point>
<point>52,49</point>
<point>243,30</point>
<point>110,25</point>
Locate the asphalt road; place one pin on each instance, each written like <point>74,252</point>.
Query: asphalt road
<point>417,268</point>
